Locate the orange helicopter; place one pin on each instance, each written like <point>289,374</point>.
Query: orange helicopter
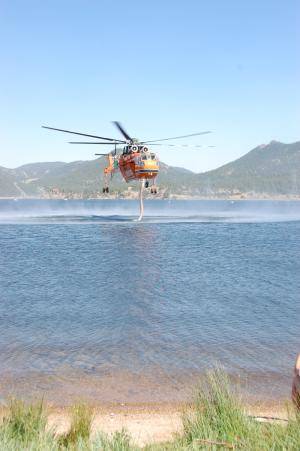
<point>134,159</point>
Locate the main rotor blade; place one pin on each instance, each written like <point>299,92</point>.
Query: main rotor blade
<point>179,145</point>
<point>89,142</point>
<point>124,133</point>
<point>84,134</point>
<point>176,137</point>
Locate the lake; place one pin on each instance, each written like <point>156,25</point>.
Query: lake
<point>97,306</point>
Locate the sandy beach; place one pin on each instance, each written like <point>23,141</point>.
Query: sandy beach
<point>155,423</point>
<point>149,423</point>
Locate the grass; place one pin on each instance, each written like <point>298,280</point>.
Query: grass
<point>220,419</point>
<point>24,427</point>
<point>216,422</point>
<point>81,425</point>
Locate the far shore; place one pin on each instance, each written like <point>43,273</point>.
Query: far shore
<point>134,196</point>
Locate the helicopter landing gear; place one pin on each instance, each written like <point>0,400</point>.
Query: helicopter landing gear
<point>153,189</point>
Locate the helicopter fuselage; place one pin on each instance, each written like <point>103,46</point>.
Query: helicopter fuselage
<point>137,162</point>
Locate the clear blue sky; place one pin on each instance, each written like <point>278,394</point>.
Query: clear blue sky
<point>161,67</point>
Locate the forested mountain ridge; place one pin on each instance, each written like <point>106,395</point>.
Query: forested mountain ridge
<point>271,170</point>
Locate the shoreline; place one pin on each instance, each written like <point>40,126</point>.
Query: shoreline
<point>275,408</point>
<point>285,198</point>
<point>152,390</point>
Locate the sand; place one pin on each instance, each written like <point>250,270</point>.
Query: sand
<point>150,423</point>
<point>144,427</point>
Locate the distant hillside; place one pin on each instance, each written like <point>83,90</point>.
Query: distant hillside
<point>271,170</point>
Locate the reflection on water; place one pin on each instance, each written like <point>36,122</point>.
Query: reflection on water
<point>124,311</point>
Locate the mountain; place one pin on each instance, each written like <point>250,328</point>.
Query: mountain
<point>82,179</point>
<point>271,170</point>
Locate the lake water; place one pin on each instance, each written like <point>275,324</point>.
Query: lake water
<point>97,306</point>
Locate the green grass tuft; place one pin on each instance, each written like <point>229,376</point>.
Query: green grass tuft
<point>81,424</point>
<point>24,428</point>
<point>25,422</point>
<point>220,422</point>
<point>120,441</point>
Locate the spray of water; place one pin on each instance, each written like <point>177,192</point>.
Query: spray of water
<point>90,211</point>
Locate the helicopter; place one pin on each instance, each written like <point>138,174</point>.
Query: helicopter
<point>131,157</point>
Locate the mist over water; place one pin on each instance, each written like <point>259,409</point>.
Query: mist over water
<point>95,304</point>
<point>58,211</point>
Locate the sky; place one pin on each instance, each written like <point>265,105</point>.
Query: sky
<point>163,68</point>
